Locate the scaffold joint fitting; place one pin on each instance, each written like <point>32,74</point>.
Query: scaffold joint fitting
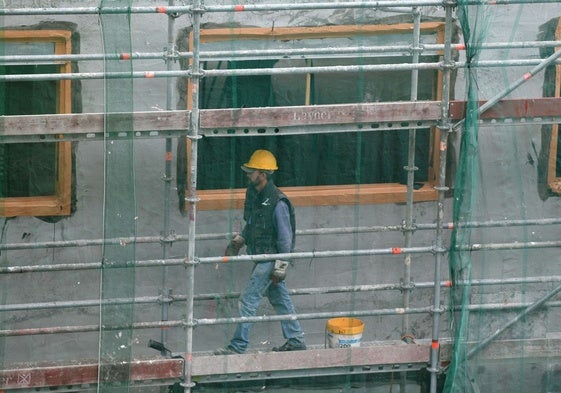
<point>170,238</point>
<point>191,324</point>
<point>403,286</point>
<point>449,3</point>
<point>193,199</point>
<point>195,261</point>
<point>405,227</point>
<point>437,310</point>
<point>418,49</point>
<point>197,10</point>
<point>444,125</point>
<point>170,54</point>
<point>197,74</point>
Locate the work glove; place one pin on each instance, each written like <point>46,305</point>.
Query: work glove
<point>279,272</point>
<point>234,246</point>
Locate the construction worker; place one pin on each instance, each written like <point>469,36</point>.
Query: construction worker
<point>269,229</point>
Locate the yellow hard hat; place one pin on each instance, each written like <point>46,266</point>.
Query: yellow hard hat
<point>261,160</point>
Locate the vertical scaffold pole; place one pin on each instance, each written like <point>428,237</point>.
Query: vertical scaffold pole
<point>444,126</point>
<point>410,168</point>
<point>165,291</point>
<point>193,136</point>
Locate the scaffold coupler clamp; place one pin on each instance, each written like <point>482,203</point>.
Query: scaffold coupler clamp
<point>412,227</point>
<point>169,239</point>
<point>403,286</point>
<point>194,262</point>
<point>171,54</point>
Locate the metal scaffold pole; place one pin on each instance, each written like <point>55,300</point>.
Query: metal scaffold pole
<point>444,127</point>
<point>411,169</point>
<point>193,136</point>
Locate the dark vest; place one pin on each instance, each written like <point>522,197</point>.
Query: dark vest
<point>258,213</point>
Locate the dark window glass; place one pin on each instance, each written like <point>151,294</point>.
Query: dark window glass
<point>28,169</point>
<point>373,157</point>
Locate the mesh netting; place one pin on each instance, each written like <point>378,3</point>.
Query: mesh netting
<point>119,214</point>
<point>416,152</point>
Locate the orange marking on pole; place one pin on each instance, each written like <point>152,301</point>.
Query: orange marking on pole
<point>448,284</point>
<point>125,56</point>
<point>149,74</point>
<point>396,250</point>
<point>451,225</point>
<point>435,344</point>
<point>527,76</point>
<point>161,10</point>
<point>225,259</point>
<point>461,46</point>
<point>239,8</point>
<point>169,155</point>
<point>442,146</point>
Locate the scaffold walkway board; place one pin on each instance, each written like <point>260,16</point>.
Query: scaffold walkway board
<point>269,120</point>
<point>209,368</point>
<point>387,356</point>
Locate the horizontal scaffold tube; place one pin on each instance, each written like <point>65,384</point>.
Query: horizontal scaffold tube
<point>212,260</point>
<point>150,74</point>
<point>266,257</point>
<point>177,10</point>
<point>272,318</point>
<point>299,232</point>
<point>294,292</point>
<point>281,53</point>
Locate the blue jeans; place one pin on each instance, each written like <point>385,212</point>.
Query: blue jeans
<point>260,285</point>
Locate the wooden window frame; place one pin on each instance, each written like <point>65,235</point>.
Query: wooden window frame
<point>554,182</point>
<point>352,194</point>
<point>58,204</point>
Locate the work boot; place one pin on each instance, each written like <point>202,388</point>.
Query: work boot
<point>290,345</point>
<point>229,350</point>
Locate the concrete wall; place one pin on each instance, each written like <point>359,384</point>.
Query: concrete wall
<point>509,191</point>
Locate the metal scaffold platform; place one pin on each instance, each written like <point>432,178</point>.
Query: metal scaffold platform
<point>443,115</point>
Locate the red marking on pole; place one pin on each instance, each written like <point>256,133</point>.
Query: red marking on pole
<point>442,146</point>
<point>435,344</point>
<point>239,8</point>
<point>460,46</point>
<point>451,225</point>
<point>396,250</point>
<point>527,76</point>
<point>125,56</point>
<point>161,10</point>
<point>169,156</point>
<point>225,259</point>
<point>448,284</point>
<point>149,74</point>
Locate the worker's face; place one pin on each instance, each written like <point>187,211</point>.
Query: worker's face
<point>257,179</point>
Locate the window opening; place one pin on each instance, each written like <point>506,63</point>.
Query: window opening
<point>36,177</point>
<point>353,167</point>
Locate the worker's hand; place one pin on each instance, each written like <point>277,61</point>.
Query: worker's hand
<point>233,248</point>
<point>279,272</point>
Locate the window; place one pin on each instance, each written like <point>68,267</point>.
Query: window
<point>35,177</point>
<point>318,169</point>
<point>549,165</point>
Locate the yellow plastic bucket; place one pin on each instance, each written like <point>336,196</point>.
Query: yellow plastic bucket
<point>344,332</point>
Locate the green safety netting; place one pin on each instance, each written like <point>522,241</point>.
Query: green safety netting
<point>499,313</point>
<point>119,215</point>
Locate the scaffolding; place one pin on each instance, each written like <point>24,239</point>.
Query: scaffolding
<point>186,367</point>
